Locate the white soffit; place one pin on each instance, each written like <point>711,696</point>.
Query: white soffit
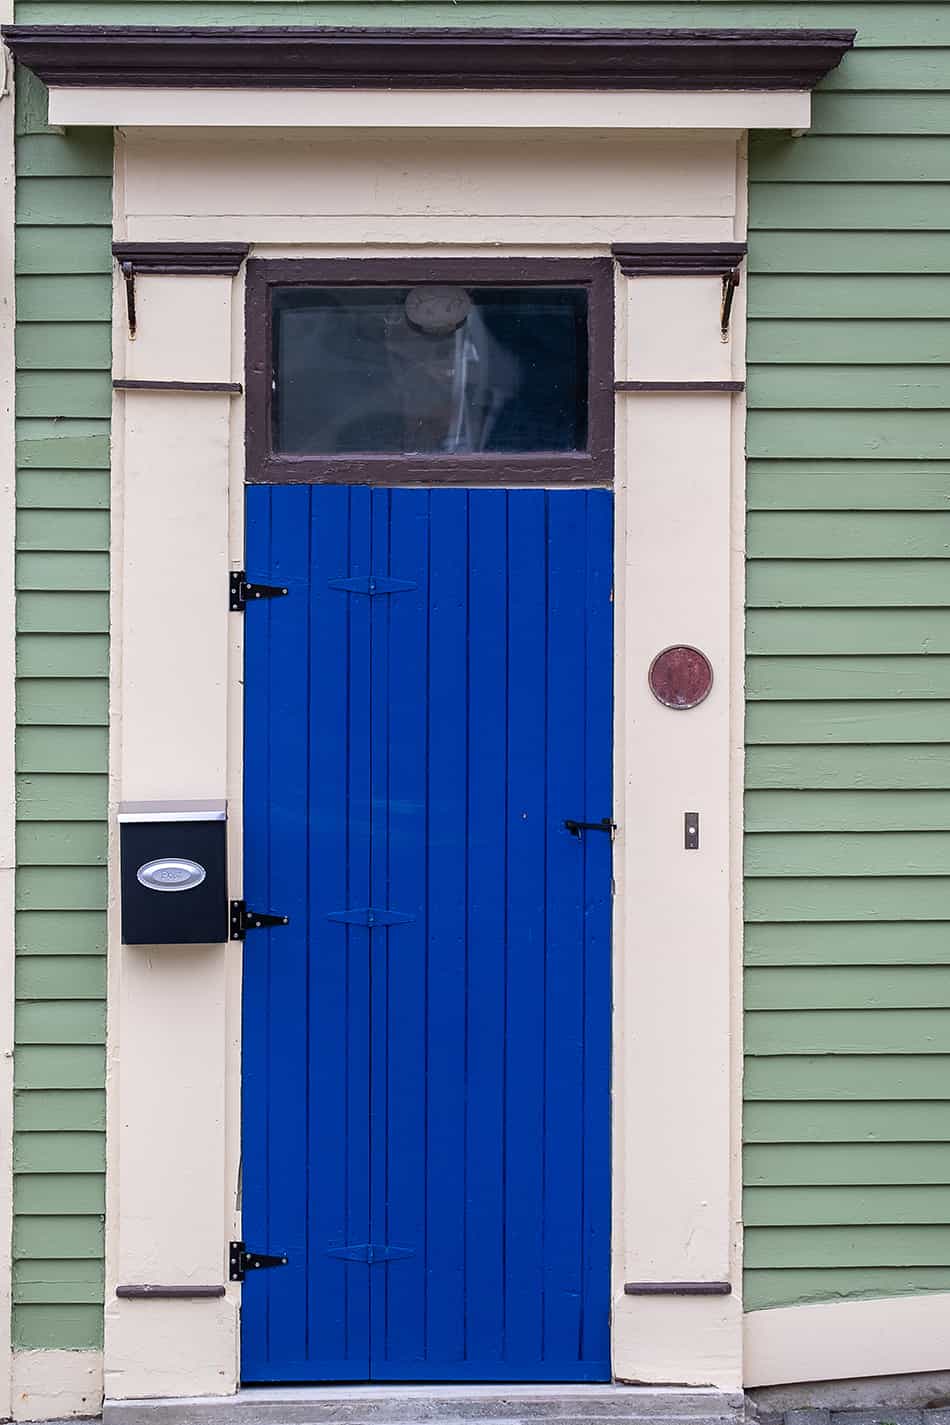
<point>429,109</point>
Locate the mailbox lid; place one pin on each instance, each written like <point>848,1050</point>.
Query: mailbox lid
<point>201,810</point>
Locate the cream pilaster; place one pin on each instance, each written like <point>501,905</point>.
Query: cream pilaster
<point>171,1207</point>
<point>677,957</point>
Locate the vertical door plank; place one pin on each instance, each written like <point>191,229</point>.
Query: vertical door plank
<point>338,988</point>
<point>354,941</point>
<point>376,805</point>
<point>487,1049</point>
<point>449,855</point>
<point>526,876</point>
<point>399,952</point>
<point>599,735</point>
<point>284,623</point>
<point>564,916</point>
<point>256,1015</point>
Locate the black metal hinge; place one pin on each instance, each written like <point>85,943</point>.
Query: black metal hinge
<point>241,1261</point>
<point>577,828</point>
<point>241,593</point>
<point>243,920</point>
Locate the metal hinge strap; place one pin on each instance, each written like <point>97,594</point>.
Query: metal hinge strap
<point>243,920</point>
<point>241,593</point>
<point>241,1261</point>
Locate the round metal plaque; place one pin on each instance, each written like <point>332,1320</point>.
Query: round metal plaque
<point>680,677</point>
<point>170,873</point>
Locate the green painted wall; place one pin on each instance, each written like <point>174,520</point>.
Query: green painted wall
<point>63,298</point>
<point>848,803</point>
<point>848,808</point>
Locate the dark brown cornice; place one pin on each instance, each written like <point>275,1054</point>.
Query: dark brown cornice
<point>219,259</point>
<point>272,57</point>
<point>678,259</point>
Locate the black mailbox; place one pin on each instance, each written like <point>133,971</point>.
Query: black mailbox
<point>174,873</point>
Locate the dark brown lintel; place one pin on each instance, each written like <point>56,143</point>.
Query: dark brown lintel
<point>275,57</point>
<point>202,259</point>
<point>228,388</point>
<point>678,1288</point>
<point>168,1293</point>
<point>678,259</point>
<point>660,386</point>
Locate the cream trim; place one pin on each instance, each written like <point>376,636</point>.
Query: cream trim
<point>737,554</point>
<point>172,1021</point>
<point>330,235</point>
<point>840,1340</point>
<point>7,722</point>
<point>680,469</point>
<point>56,1385</point>
<point>430,109</point>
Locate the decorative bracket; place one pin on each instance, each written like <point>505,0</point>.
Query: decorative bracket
<point>730,281</point>
<point>128,272</point>
<point>202,258</point>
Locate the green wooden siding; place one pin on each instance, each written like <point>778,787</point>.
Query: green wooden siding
<point>847,1087</point>
<point>848,630</point>
<point>63,402</point>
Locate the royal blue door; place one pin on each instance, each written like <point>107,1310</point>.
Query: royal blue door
<point>427,1043</point>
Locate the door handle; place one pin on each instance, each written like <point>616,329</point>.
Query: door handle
<point>577,828</point>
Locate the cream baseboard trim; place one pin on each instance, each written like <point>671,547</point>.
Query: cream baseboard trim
<point>56,1385</point>
<point>843,1339</point>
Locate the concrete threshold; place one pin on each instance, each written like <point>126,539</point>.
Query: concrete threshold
<point>419,1404</point>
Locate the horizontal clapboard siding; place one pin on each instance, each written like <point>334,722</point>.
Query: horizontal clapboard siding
<point>63,280</point>
<point>847,992</point>
<point>848,635</point>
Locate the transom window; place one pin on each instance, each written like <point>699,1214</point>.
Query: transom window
<point>429,370</point>
<point>427,373</point>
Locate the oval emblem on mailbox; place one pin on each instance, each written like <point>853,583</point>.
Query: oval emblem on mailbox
<point>170,873</point>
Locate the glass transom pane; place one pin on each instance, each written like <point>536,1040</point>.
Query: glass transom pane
<point>429,370</point>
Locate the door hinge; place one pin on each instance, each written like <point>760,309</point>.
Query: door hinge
<point>241,593</point>
<point>577,828</point>
<point>243,920</point>
<point>241,1261</point>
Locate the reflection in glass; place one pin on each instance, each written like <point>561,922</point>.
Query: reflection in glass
<point>432,369</point>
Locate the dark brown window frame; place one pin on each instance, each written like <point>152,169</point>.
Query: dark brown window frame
<point>595,466</point>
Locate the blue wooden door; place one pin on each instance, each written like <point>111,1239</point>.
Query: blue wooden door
<point>427,1043</point>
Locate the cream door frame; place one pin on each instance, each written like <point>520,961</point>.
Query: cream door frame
<point>173,1198</point>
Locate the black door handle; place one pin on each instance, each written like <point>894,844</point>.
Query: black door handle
<point>577,828</point>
